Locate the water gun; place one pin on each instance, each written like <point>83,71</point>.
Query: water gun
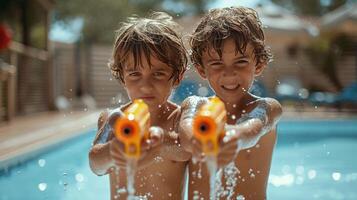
<point>208,125</point>
<point>133,127</point>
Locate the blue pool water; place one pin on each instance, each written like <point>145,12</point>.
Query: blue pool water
<point>312,160</point>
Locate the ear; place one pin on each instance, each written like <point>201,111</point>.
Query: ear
<point>178,81</point>
<point>201,71</point>
<point>259,68</point>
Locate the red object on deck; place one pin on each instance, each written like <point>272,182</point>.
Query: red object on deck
<point>5,36</point>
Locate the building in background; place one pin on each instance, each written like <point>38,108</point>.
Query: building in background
<point>29,55</point>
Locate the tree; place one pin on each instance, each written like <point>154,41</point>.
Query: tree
<point>101,18</point>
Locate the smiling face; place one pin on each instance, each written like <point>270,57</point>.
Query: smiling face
<point>150,82</point>
<point>232,75</point>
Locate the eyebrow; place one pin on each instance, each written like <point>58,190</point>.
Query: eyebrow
<point>217,59</point>
<point>242,56</point>
<point>131,70</point>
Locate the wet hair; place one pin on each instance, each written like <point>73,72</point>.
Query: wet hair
<point>239,23</point>
<point>152,36</point>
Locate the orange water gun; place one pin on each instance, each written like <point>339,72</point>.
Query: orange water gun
<point>133,127</point>
<point>208,125</point>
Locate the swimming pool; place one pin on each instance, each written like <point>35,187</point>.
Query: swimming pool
<point>312,160</point>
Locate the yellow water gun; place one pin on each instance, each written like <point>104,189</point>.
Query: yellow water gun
<point>133,127</point>
<point>208,125</point>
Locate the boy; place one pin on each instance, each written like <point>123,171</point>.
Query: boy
<point>149,59</point>
<point>228,50</point>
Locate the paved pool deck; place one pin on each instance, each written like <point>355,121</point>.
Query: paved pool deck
<point>33,133</point>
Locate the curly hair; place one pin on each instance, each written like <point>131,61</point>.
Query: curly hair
<point>240,23</point>
<point>152,36</point>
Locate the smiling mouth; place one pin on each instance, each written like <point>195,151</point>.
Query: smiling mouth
<point>230,87</point>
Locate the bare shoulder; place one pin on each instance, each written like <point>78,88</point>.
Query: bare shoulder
<point>272,106</point>
<point>193,100</point>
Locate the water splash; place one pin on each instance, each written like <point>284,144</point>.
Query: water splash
<point>212,169</point>
<point>230,173</point>
<point>130,172</point>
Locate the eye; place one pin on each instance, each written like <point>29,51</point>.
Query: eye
<point>215,65</point>
<point>241,62</point>
<point>134,74</point>
<point>159,74</point>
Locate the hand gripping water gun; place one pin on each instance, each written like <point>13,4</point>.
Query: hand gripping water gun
<point>208,125</point>
<point>133,127</point>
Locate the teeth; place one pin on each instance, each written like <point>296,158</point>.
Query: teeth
<point>230,87</point>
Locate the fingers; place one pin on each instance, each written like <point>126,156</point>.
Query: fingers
<point>117,153</point>
<point>113,116</point>
<point>156,136</point>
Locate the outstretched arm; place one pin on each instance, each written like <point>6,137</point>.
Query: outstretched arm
<point>100,160</point>
<point>253,125</point>
<point>107,152</point>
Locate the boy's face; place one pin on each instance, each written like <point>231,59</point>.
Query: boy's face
<point>232,75</point>
<point>152,84</point>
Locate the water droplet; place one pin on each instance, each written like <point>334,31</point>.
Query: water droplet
<point>79,177</point>
<point>202,91</point>
<point>42,187</point>
<point>311,174</point>
<point>240,197</point>
<point>42,162</point>
<point>336,176</point>
<point>121,190</point>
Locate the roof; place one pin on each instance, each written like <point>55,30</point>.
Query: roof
<point>341,14</point>
<point>277,17</point>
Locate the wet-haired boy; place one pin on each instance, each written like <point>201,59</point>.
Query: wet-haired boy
<point>149,60</point>
<point>228,49</point>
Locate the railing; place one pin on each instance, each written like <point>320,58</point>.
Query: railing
<point>26,81</point>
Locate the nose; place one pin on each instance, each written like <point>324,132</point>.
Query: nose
<point>146,86</point>
<point>229,71</point>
